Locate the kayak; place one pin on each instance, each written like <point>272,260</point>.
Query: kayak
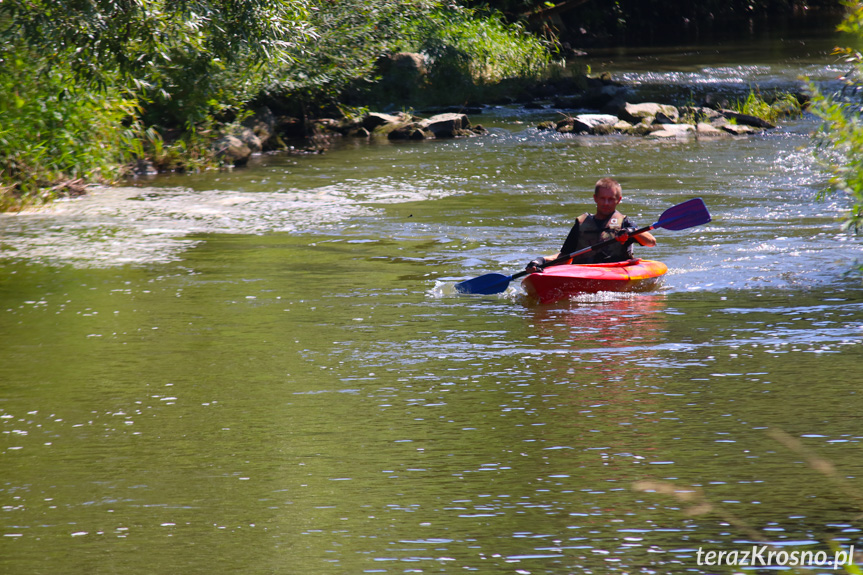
<point>558,282</point>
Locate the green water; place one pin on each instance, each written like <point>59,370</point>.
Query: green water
<point>268,371</point>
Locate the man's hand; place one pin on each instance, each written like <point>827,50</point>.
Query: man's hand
<point>624,234</point>
<point>535,265</point>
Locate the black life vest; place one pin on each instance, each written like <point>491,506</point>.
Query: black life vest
<point>591,233</point>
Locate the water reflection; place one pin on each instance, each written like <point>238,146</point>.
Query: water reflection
<point>608,319</point>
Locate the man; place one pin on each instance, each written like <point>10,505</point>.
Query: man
<point>605,224</point>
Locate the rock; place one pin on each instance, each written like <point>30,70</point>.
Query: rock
<point>587,124</point>
<point>704,130</point>
<point>374,120</point>
<point>662,118</point>
<point>446,125</point>
<point>739,129</point>
<point>715,101</point>
<point>660,121</point>
<point>671,131</point>
<point>403,75</point>
<point>450,125</point>
<point>746,119</point>
<point>644,128</point>
<point>623,126</point>
<point>263,125</point>
<point>249,138</point>
<point>698,113</point>
<point>637,112</point>
<point>594,123</point>
<point>409,132</point>
<point>232,150</point>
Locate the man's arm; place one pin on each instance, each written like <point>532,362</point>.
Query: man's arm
<point>570,242</point>
<point>645,239</point>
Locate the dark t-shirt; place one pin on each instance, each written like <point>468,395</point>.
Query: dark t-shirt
<point>571,243</point>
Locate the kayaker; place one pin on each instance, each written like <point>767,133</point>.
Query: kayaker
<point>605,224</point>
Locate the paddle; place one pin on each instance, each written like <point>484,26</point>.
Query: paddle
<point>689,214</point>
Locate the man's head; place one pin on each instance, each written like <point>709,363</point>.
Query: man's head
<point>607,194</point>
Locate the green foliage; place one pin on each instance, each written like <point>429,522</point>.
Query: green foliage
<point>190,152</point>
<point>463,49</point>
<point>779,106</point>
<point>188,61</point>
<point>839,140</point>
<point>486,48</point>
<point>135,37</point>
<point>88,85</point>
<point>351,35</point>
<point>53,131</point>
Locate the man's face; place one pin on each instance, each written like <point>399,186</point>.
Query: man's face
<point>606,202</point>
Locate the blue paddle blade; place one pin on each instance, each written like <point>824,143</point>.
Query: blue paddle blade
<point>689,214</point>
<point>487,284</point>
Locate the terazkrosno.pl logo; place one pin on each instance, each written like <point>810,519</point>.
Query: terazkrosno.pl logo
<point>765,555</point>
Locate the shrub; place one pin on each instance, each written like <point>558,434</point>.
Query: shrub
<point>839,140</point>
<point>470,53</point>
<point>780,106</point>
<point>53,130</point>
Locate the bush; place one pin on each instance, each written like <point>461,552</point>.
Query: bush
<point>467,52</point>
<point>780,106</point>
<point>839,140</point>
<point>470,54</point>
<point>53,130</point>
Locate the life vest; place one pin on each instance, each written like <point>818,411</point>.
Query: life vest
<point>590,233</point>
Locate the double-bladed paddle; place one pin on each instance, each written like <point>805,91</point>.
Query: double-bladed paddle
<point>689,214</point>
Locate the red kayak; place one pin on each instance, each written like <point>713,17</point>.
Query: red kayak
<point>559,282</point>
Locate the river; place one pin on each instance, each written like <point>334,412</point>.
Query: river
<point>268,371</point>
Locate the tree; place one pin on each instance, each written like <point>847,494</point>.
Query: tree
<point>133,36</point>
<point>351,36</point>
<point>839,140</point>
<point>179,57</point>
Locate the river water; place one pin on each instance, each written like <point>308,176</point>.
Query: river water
<point>268,370</point>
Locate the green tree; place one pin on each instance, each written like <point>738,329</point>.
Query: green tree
<point>351,36</point>
<point>136,36</point>
<point>839,140</point>
<point>77,74</point>
<point>465,51</point>
<point>53,131</point>
<point>181,58</point>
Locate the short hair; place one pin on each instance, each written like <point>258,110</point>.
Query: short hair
<point>609,183</point>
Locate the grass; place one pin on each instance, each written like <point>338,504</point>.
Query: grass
<point>772,109</point>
